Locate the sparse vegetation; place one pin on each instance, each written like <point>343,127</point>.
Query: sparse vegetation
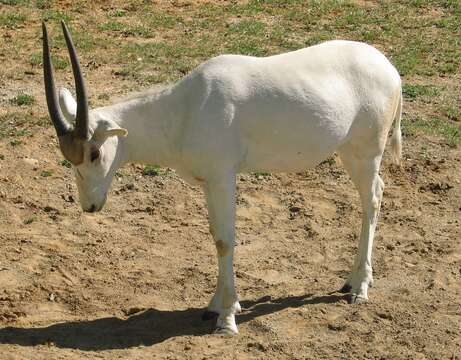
<point>420,44</point>
<point>411,92</point>
<point>65,163</point>
<point>15,142</point>
<point>449,132</point>
<point>12,20</point>
<point>153,170</point>
<point>46,173</point>
<point>23,99</point>
<point>452,112</point>
<point>29,220</point>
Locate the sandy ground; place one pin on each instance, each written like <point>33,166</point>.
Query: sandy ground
<point>132,281</point>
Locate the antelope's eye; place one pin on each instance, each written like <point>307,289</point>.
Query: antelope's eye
<point>94,155</point>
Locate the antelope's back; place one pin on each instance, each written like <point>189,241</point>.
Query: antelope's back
<point>289,111</point>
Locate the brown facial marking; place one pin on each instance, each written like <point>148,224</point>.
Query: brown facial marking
<point>71,148</point>
<point>94,153</point>
<point>222,248</point>
<point>199,179</point>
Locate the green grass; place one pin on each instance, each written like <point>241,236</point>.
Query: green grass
<point>29,220</point>
<point>15,142</point>
<point>260,175</point>
<point>65,163</point>
<point>12,124</point>
<point>46,173</point>
<point>56,15</point>
<point>14,2</point>
<point>411,92</point>
<point>157,19</point>
<point>23,100</point>
<point>153,170</point>
<point>126,30</point>
<point>59,62</point>
<point>449,132</point>
<point>21,132</point>
<point>43,4</point>
<point>117,13</point>
<point>452,112</point>
<point>422,38</point>
<point>12,20</point>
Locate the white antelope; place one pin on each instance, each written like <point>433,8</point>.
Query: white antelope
<point>232,114</point>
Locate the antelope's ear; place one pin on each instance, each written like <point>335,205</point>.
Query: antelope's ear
<point>67,104</point>
<point>107,129</point>
<point>116,132</point>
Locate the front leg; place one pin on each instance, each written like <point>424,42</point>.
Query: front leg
<point>220,197</point>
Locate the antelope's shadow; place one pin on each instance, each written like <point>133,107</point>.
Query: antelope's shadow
<point>146,328</point>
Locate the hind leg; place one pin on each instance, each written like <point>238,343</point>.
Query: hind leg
<point>364,174</point>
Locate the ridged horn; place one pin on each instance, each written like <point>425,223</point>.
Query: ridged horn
<point>81,130</point>
<point>69,139</point>
<point>60,124</point>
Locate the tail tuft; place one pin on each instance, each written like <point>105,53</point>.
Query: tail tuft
<point>396,140</point>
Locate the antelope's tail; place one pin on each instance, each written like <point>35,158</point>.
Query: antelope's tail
<point>396,140</point>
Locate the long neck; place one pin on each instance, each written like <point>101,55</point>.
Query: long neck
<point>152,122</point>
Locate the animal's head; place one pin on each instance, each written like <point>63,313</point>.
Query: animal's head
<point>87,139</point>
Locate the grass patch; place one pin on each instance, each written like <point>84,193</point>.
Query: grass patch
<point>248,28</point>
<point>56,15</point>
<point>35,59</point>
<point>411,92</point>
<point>117,13</point>
<point>104,96</point>
<point>161,19</point>
<point>421,37</point>
<point>453,113</point>
<point>449,132</point>
<point>43,4</point>
<point>262,175</point>
<point>12,20</point>
<point>46,173</point>
<point>29,220</point>
<point>14,2</point>
<point>21,132</point>
<point>126,30</point>
<point>65,163</point>
<point>15,142</point>
<point>153,170</point>
<point>23,100</point>
<point>59,62</point>
<point>11,123</point>
<point>250,47</point>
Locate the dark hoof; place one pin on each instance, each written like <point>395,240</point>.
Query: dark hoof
<point>354,299</point>
<point>209,315</point>
<point>345,289</point>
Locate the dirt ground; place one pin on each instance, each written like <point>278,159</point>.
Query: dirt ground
<point>132,281</point>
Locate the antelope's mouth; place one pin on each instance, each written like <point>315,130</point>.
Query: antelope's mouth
<point>95,208</point>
